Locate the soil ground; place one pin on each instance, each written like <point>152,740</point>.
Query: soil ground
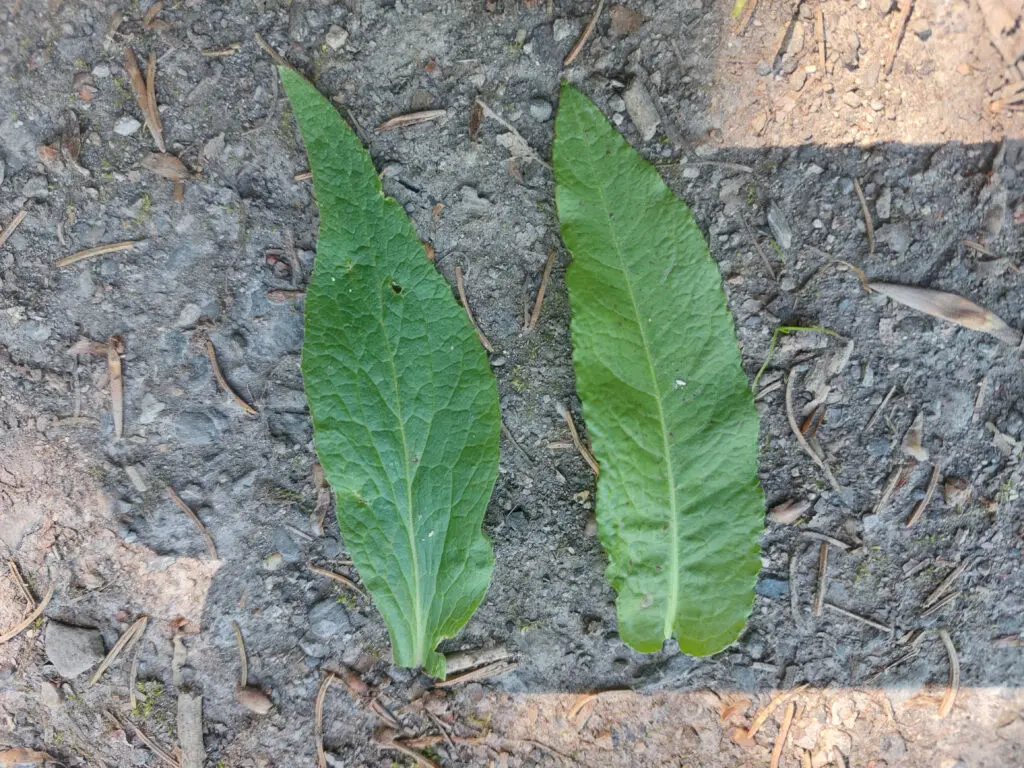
<point>766,140</point>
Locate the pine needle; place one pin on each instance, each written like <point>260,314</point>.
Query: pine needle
<point>126,641</point>
<point>469,312</point>
<point>222,382</point>
<point>195,519</point>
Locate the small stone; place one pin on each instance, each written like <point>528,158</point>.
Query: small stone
<point>846,185</point>
<point>540,110</point>
<point>956,492</point>
<point>127,126</point>
<point>878,447</point>
<point>884,7</point>
<point>763,68</point>
<point>797,80</point>
<point>922,30</point>
<point>336,37</point>
<point>561,29</point>
<point>772,587</point>
<point>196,428</point>
<point>49,695</point>
<point>274,562</point>
<point>151,408</point>
<point>851,52</point>
<point>101,70</point>
<point>779,227</point>
<point>35,188</point>
<point>877,106</point>
<point>691,172</point>
<point>851,99</point>
<point>329,619</point>
<point>896,236</point>
<point>189,315</point>
<point>73,650</point>
<point>641,110</point>
<point>883,205</point>
<point>286,546</point>
<point>796,41</point>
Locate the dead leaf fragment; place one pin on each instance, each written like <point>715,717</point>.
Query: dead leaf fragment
<point>624,21</point>
<point>254,700</point>
<point>166,166</point>
<point>145,95</point>
<point>23,756</point>
<point>476,118</point>
<point>949,306</point>
<point>413,118</point>
<point>911,445</point>
<point>788,512</point>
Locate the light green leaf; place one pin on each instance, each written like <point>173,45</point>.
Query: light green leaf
<point>668,407</point>
<point>404,405</point>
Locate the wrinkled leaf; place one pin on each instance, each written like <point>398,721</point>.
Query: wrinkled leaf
<point>949,306</point>
<point>404,406</point>
<point>668,407</point>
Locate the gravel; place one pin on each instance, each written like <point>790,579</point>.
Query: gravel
<point>73,650</point>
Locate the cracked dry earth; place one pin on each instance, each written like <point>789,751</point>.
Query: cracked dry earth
<point>767,134</point>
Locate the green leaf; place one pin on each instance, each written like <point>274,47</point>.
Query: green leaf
<point>668,407</point>
<point>404,405</point>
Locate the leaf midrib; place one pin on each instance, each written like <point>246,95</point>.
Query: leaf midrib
<point>670,614</point>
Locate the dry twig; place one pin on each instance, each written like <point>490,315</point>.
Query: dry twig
<point>126,641</point>
<point>890,486</point>
<point>243,674</point>
<point>923,503</point>
<point>869,227</point>
<point>492,669</point>
<point>881,407</point>
<point>831,540</point>
<point>803,441</point>
<point>780,739</point>
<point>535,315</point>
<point>413,118</point>
<point>22,586</point>
<point>25,623</point>
<point>863,619</point>
<point>822,583</point>
<point>764,714</point>
<point>584,452</point>
<point>469,313</point>
<point>13,225</point>
<point>116,375</point>
<point>154,747</point>
<point>949,697</point>
<point>338,578</point>
<point>99,250</point>
<point>819,28</point>
<point>318,720</point>
<point>939,604</point>
<point>945,584</point>
<point>587,32</point>
<point>195,519</point>
<point>223,383</point>
<point>890,57</point>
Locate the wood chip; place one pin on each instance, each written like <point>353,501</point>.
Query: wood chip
<point>145,95</point>
<point>587,32</point>
<point>949,697</point>
<point>476,119</point>
<point>791,417</point>
<point>819,28</point>
<point>950,307</point>
<point>25,623</point>
<point>304,176</point>
<point>152,13</point>
<point>413,118</point>
<point>99,250</point>
<point>535,315</point>
<point>920,507</point>
<point>116,375</point>
<point>243,671</point>
<point>318,721</point>
<point>890,57</point>
<point>912,444</point>
<point>210,546</point>
<point>780,739</point>
<point>126,641</point>
<point>231,50</point>
<point>13,225</point>
<point>190,730</point>
<point>789,511</point>
<point>764,714</point>
<point>166,166</point>
<point>469,312</point>
<point>583,450</point>
<point>822,582</point>
<point>211,353</point>
<point>856,616</point>
<point>338,578</point>
<point>979,401</point>
<point>254,700</point>
<point>869,227</point>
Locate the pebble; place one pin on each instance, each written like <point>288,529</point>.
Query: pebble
<point>101,70</point>
<point>851,99</point>
<point>796,82</point>
<point>779,226</point>
<point>127,126</point>
<point>336,37</point>
<point>691,172</point>
<point>846,185</point>
<point>851,52</point>
<point>763,68</point>
<point>196,428</point>
<point>896,236</point>
<point>561,29</point>
<point>274,562</point>
<point>49,695</point>
<point>877,106</point>
<point>151,408</point>
<point>35,188</point>
<point>540,110</point>
<point>883,205</point>
<point>641,110</point>
<point>616,104</point>
<point>772,587</point>
<point>286,545</point>
<point>329,619</point>
<point>73,650</point>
